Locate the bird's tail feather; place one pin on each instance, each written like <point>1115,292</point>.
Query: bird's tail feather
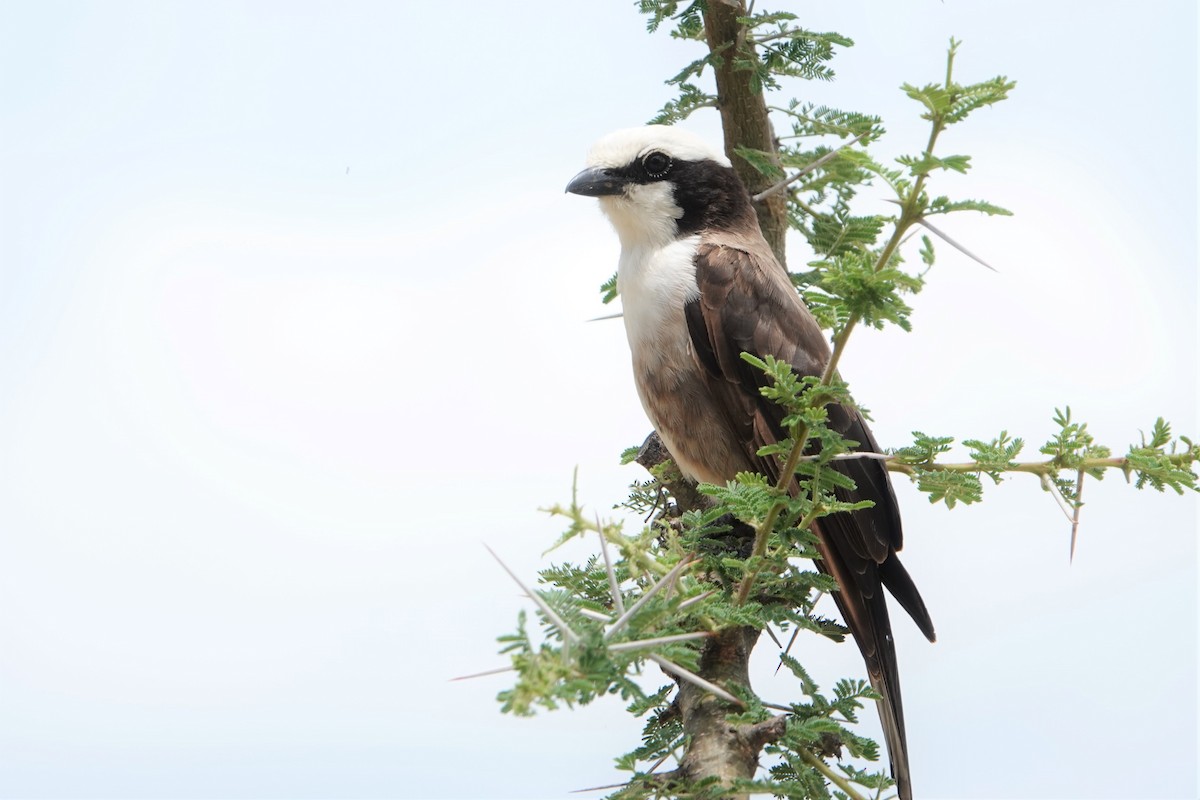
<point>866,614</point>
<point>897,580</point>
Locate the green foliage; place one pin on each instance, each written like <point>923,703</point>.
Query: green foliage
<point>810,120</point>
<point>950,487</point>
<point>927,163</point>
<point>924,449</point>
<point>927,254</point>
<point>944,205</point>
<point>1161,463</point>
<point>950,103</point>
<point>868,292</point>
<point>996,456</point>
<point>691,98</point>
<point>1070,448</point>
<point>550,676</point>
<point>840,233</point>
<point>786,51</point>
<point>819,728</point>
<point>608,290</point>
<point>659,11</point>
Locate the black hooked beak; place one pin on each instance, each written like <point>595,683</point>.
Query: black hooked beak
<point>597,183</point>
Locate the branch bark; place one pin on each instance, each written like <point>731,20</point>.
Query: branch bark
<point>717,749</point>
<point>744,116</point>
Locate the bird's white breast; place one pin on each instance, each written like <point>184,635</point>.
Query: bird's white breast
<point>656,283</point>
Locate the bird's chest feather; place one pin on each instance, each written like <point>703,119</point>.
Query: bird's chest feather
<point>655,285</point>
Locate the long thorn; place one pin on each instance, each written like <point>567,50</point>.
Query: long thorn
<point>771,633</point>
<point>691,601</point>
<point>617,315</point>
<point>955,244</point>
<point>486,672</point>
<point>599,788</point>
<point>595,615</point>
<point>558,621</point>
<point>788,649</point>
<point>613,585</point>
<point>1050,487</point>
<point>623,620</point>
<point>852,456</point>
<point>660,762</point>
<point>693,678</point>
<point>807,168</point>
<point>1075,516</point>
<point>640,643</point>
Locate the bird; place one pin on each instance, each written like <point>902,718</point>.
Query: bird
<point>699,286</point>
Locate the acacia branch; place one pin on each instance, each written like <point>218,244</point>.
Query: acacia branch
<point>744,115</point>
<point>1048,467</point>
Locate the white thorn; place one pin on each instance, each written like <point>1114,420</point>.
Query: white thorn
<point>623,620</point>
<point>496,671</point>
<point>695,679</point>
<point>558,621</point>
<point>621,647</point>
<point>613,585</point>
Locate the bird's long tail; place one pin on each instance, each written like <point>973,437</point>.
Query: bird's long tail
<point>866,614</point>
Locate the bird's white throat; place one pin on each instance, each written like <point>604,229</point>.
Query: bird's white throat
<point>645,215</point>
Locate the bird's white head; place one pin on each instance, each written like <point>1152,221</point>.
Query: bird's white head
<point>656,183</point>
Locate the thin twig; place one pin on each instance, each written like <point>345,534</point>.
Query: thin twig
<point>558,621</point>
<point>693,678</point>
<point>807,168</point>
<point>1039,468</point>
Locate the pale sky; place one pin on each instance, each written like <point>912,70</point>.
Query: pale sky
<point>293,320</point>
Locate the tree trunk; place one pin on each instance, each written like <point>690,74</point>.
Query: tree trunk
<point>715,747</point>
<point>744,117</point>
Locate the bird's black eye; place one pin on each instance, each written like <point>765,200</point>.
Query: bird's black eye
<point>656,164</point>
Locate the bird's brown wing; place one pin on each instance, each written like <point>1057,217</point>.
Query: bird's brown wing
<point>747,304</point>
